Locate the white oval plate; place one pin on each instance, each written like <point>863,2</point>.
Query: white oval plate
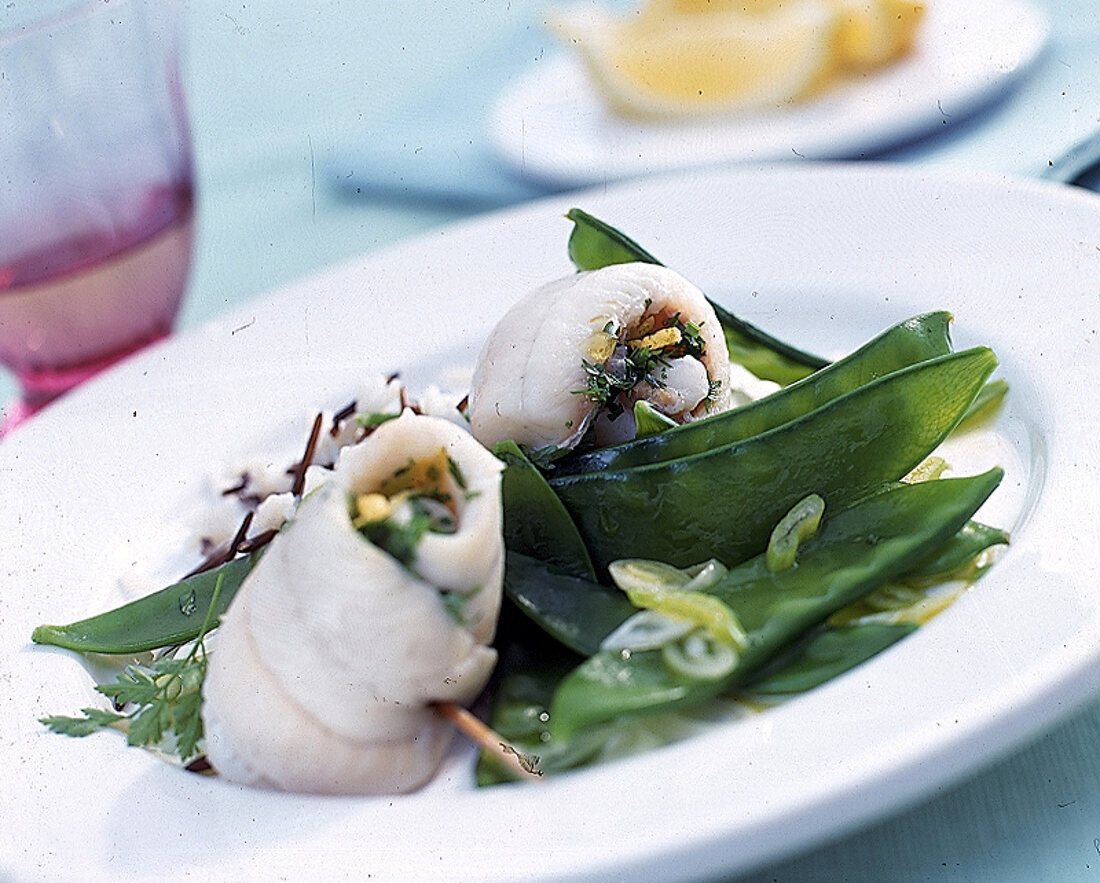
<point>552,126</point>
<point>823,255</point>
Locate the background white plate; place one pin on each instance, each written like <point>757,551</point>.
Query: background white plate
<point>823,255</point>
<point>552,126</point>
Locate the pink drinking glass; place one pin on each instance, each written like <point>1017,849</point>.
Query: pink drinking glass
<point>95,192</point>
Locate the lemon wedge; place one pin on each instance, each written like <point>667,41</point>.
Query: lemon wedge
<point>747,7</point>
<point>680,58</point>
<point>665,62</point>
<point>873,33</point>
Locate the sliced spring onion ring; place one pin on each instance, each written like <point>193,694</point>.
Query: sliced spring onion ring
<point>705,575</point>
<point>793,529</point>
<point>646,630</point>
<point>928,469</point>
<point>653,585</point>
<point>699,656</point>
<point>643,575</point>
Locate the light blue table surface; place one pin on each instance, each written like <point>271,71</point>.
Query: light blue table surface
<point>287,96</point>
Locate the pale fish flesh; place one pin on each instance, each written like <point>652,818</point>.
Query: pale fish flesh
<point>531,381</point>
<point>324,671</point>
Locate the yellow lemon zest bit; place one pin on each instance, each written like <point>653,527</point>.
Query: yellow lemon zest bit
<point>658,340</point>
<point>371,508</point>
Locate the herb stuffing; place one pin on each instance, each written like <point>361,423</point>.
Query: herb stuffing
<point>643,355</point>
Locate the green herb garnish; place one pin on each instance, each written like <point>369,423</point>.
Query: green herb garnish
<point>398,539</point>
<point>165,695</point>
<point>374,419</point>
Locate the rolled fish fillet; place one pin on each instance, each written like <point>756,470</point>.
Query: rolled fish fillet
<point>543,376</point>
<point>324,668</point>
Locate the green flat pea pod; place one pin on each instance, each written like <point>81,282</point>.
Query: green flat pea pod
<point>521,706</point>
<point>856,550</point>
<point>594,244</point>
<point>723,503</point>
<point>535,521</point>
<point>649,421</point>
<point>915,340</point>
<point>575,611</point>
<point>166,618</point>
<point>826,655</point>
<point>518,710</point>
<point>985,405</point>
<point>580,613</point>
<point>957,555</point>
<point>526,677</point>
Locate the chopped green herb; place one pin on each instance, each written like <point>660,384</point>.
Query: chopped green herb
<point>641,363</point>
<point>456,473</point>
<point>399,535</point>
<point>602,387</point>
<point>457,602</point>
<point>396,539</point>
<point>373,420</point>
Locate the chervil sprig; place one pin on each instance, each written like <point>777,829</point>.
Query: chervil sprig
<point>165,698</point>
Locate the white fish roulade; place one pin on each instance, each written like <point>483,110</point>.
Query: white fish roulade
<point>543,374</point>
<point>327,663</point>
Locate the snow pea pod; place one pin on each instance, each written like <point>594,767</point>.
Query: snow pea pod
<point>957,553</point>
<point>163,619</point>
<point>594,244</point>
<point>986,404</point>
<point>519,708</point>
<point>724,503</point>
<point>575,611</point>
<point>826,655</point>
<point>907,343</point>
<point>580,613</point>
<point>855,551</point>
<point>519,715</point>
<point>522,701</point>
<point>535,521</point>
